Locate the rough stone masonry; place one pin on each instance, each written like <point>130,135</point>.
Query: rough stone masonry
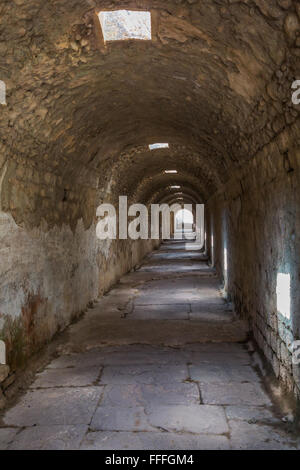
<point>215,83</point>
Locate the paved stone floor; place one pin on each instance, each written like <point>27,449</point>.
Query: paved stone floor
<point>160,362</point>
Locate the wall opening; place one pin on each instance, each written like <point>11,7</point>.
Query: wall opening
<point>283,293</point>
<point>225,261</point>
<point>212,260</point>
<point>184,221</point>
<point>120,25</point>
<point>225,271</point>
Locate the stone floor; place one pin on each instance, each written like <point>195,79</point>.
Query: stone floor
<point>160,362</point>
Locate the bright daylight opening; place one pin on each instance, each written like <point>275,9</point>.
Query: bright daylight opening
<point>170,171</point>
<point>225,260</point>
<point>184,220</point>
<point>283,292</point>
<point>158,146</point>
<point>124,24</point>
<point>175,187</point>
<point>212,250</point>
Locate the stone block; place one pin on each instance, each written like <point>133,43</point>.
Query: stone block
<point>222,373</point>
<point>106,440</point>
<point>71,377</point>
<point>61,437</point>
<point>251,414</point>
<point>285,356</point>
<point>118,418</point>
<point>245,436</point>
<point>6,436</point>
<point>234,394</point>
<point>4,371</point>
<point>151,395</point>
<point>195,418</point>
<point>55,406</point>
<point>144,374</point>
<point>8,381</point>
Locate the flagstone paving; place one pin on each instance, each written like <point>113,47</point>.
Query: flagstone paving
<point>161,362</point>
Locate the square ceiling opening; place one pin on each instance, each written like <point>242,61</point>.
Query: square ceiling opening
<point>120,25</point>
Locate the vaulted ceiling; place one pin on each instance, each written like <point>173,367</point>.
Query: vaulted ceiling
<point>214,83</point>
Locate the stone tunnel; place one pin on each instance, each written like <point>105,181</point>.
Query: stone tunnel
<point>149,343</point>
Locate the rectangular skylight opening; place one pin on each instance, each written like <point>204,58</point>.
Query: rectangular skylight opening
<point>158,146</point>
<point>175,187</point>
<point>171,171</point>
<point>120,25</point>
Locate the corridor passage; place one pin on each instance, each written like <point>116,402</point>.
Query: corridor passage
<point>160,362</point>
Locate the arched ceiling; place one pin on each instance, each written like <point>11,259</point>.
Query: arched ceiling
<point>160,184</point>
<point>214,83</point>
<point>145,168</point>
<point>174,199</point>
<point>185,192</point>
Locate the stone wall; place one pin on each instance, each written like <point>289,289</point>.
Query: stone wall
<point>214,82</point>
<point>256,216</point>
<point>52,264</point>
<point>123,256</point>
<point>49,276</point>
